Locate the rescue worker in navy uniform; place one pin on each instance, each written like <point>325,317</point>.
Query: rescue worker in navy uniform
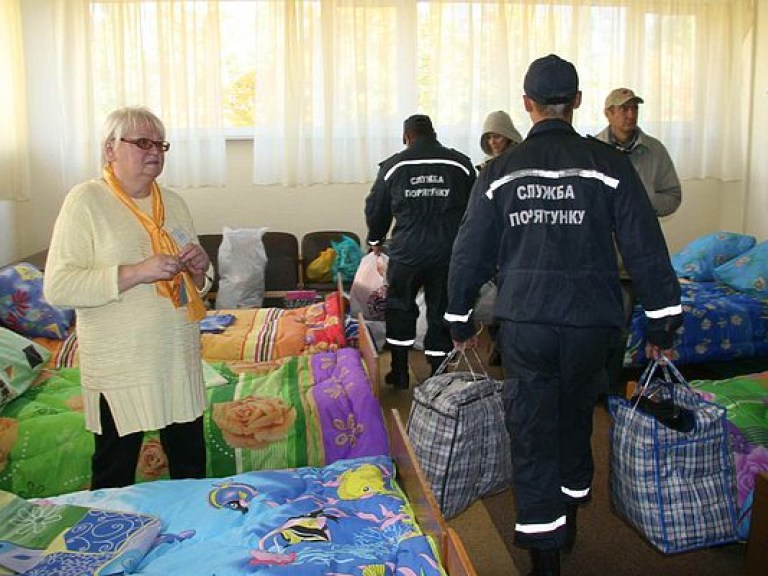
<point>546,215</point>
<point>425,189</point>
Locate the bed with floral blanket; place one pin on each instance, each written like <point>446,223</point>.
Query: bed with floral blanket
<point>720,323</point>
<point>746,401</point>
<point>346,518</point>
<point>724,288</point>
<point>361,516</point>
<point>248,334</point>
<point>307,410</point>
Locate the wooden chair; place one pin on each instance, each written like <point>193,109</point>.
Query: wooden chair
<point>282,273</point>
<point>311,245</point>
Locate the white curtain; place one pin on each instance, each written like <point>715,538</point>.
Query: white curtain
<point>336,78</point>
<point>14,161</point>
<point>162,54</point>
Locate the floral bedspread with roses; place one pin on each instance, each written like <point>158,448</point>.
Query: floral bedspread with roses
<point>349,518</point>
<point>306,410</point>
<point>746,400</point>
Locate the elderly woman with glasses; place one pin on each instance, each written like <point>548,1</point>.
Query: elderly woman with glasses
<point>124,255</point>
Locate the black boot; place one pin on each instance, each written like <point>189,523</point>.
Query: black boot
<point>398,374</point>
<point>571,511</point>
<point>545,562</point>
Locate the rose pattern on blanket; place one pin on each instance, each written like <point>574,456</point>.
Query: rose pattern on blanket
<point>313,410</point>
<point>254,421</point>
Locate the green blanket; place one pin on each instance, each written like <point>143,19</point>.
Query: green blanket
<point>298,411</point>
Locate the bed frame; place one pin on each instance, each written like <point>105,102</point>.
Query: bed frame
<point>757,543</point>
<point>410,476</point>
<point>366,344</point>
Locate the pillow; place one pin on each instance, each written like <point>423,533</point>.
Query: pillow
<point>21,360</point>
<point>748,273</point>
<point>698,260</point>
<point>23,308</point>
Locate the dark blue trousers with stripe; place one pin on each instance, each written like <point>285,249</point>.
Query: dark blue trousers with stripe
<point>553,377</point>
<point>404,283</point>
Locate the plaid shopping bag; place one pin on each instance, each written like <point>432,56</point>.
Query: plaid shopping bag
<point>457,429</point>
<point>671,474</point>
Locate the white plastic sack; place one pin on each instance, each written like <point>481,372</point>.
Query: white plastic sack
<point>485,304</point>
<point>242,262</point>
<point>368,293</point>
<point>421,321</point>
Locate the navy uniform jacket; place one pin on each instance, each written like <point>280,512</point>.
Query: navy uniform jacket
<point>545,215</point>
<point>425,188</point>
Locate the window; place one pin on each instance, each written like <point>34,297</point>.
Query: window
<point>322,86</point>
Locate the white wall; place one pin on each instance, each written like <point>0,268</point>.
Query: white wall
<point>240,204</point>
<point>707,206</point>
<point>756,212</point>
<point>340,207</point>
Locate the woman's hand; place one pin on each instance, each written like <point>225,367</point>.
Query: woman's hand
<point>156,267</point>
<point>194,259</point>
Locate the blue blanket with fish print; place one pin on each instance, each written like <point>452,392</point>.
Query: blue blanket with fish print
<point>347,518</point>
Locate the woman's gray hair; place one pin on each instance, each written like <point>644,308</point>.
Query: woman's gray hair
<point>126,120</point>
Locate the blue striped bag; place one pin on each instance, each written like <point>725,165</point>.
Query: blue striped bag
<point>672,475</point>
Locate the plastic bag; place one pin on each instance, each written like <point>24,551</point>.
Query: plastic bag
<point>348,257</point>
<point>242,262</point>
<point>421,321</point>
<point>320,269</point>
<point>368,294</point>
<point>486,302</point>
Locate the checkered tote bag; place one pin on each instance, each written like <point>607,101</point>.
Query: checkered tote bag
<point>671,474</point>
<point>456,426</point>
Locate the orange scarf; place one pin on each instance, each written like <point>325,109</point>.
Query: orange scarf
<point>181,290</point>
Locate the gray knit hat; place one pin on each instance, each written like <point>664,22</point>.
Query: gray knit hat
<point>498,122</point>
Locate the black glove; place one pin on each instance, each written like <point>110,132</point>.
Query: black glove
<point>661,331</point>
<point>462,331</point>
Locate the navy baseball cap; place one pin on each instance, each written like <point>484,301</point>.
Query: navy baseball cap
<point>551,80</point>
<point>418,123</point>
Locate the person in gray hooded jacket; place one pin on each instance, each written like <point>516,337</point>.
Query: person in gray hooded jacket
<point>499,135</point>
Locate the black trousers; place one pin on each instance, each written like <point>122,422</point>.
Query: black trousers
<point>404,283</point>
<point>553,377</point>
<point>115,457</point>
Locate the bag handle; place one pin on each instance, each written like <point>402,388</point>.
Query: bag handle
<point>450,360</point>
<point>667,366</point>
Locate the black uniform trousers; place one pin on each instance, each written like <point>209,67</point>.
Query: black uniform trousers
<point>404,283</point>
<point>553,377</point>
<point>115,457</point>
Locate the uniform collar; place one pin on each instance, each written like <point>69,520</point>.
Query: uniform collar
<point>550,125</point>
